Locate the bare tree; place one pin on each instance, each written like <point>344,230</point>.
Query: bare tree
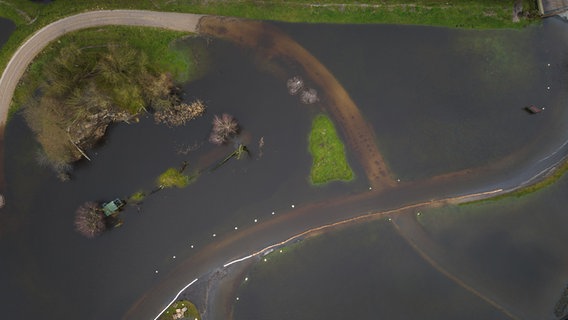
<point>90,220</point>
<point>223,128</point>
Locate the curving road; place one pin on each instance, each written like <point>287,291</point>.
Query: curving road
<point>39,40</point>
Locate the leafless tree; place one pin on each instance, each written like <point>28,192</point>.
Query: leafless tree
<point>90,220</point>
<point>223,128</point>
<point>295,84</point>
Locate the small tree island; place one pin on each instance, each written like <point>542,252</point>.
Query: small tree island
<point>77,89</point>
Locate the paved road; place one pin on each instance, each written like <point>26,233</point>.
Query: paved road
<point>35,44</point>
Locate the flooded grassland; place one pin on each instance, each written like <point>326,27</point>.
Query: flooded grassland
<point>426,120</point>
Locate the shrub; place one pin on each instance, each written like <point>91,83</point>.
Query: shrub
<point>224,127</point>
<point>89,220</point>
<point>172,178</point>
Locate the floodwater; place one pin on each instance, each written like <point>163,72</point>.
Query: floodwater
<point>512,251</point>
<point>50,270</point>
<point>7,27</point>
<point>443,100</point>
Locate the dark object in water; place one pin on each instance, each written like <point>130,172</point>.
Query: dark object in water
<point>532,109</point>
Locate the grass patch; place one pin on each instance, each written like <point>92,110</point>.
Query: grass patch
<point>549,180</point>
<point>328,153</point>
<point>173,178</point>
<point>190,313</point>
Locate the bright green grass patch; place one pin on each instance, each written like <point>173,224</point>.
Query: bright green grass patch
<point>191,312</point>
<point>173,178</point>
<point>328,153</point>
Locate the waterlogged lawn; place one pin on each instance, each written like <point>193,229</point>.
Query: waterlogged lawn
<point>328,153</point>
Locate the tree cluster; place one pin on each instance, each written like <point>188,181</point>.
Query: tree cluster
<point>86,89</point>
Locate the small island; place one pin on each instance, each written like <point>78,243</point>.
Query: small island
<point>182,309</point>
<point>328,153</point>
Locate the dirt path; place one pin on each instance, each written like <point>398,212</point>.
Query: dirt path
<point>272,43</point>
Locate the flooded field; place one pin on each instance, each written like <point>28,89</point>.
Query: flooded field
<point>512,251</point>
<point>428,120</point>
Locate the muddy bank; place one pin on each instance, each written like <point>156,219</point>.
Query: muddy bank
<point>271,43</point>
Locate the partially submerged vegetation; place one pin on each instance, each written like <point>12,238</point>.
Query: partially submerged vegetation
<point>173,178</point>
<point>328,153</point>
<point>88,80</point>
<point>224,128</point>
<point>183,309</point>
<point>541,184</point>
<point>90,220</point>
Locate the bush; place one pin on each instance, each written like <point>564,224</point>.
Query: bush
<point>172,178</point>
<point>224,127</point>
<point>90,221</point>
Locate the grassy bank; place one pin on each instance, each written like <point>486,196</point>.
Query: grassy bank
<point>547,181</point>
<point>30,16</point>
<point>328,153</point>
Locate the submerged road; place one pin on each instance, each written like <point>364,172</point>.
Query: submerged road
<point>385,198</point>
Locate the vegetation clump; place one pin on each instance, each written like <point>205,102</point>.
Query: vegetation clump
<point>173,178</point>
<point>179,114</point>
<point>182,309</point>
<point>137,197</point>
<point>562,305</point>
<point>80,91</point>
<point>224,127</point>
<point>328,153</point>
<point>90,220</point>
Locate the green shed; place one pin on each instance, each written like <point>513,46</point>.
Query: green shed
<point>112,207</point>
